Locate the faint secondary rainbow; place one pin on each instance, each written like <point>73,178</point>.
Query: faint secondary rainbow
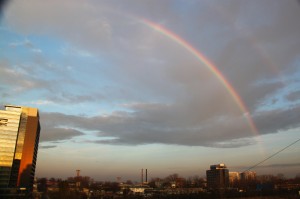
<point>209,65</point>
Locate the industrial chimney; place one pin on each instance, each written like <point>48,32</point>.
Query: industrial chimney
<point>142,176</point>
<point>146,176</point>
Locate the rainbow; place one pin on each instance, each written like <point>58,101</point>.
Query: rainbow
<point>238,100</point>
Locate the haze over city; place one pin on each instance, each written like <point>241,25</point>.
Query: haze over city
<point>171,86</point>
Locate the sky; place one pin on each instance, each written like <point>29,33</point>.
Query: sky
<point>173,86</point>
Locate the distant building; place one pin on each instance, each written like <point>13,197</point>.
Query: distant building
<point>248,175</point>
<point>217,177</point>
<point>234,177</point>
<point>19,138</point>
<point>139,190</point>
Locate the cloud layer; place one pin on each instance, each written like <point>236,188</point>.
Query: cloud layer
<point>152,89</point>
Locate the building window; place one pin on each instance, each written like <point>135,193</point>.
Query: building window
<point>3,122</point>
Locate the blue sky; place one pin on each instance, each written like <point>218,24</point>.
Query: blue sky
<point>116,95</point>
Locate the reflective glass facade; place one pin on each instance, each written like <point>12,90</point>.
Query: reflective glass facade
<point>19,137</point>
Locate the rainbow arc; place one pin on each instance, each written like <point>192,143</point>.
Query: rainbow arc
<point>209,65</point>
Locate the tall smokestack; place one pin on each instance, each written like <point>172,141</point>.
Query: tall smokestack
<point>146,175</point>
<point>142,176</point>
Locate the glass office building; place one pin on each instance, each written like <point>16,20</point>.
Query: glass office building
<point>19,138</point>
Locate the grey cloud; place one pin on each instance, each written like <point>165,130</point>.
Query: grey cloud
<point>260,92</point>
<point>29,45</point>
<point>165,124</point>
<point>274,101</point>
<point>50,134</point>
<point>256,50</point>
<point>193,107</point>
<point>293,96</point>
<point>2,6</point>
<point>243,168</point>
<point>25,43</point>
<point>42,21</point>
<point>19,79</point>
<point>67,98</point>
<point>234,143</point>
<point>47,147</point>
<point>25,78</point>
<point>275,120</point>
<point>243,59</point>
<point>281,165</point>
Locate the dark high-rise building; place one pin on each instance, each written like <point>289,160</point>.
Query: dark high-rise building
<point>217,176</point>
<point>19,138</point>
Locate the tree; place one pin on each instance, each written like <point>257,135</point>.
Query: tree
<point>42,185</point>
<point>172,177</point>
<point>64,189</point>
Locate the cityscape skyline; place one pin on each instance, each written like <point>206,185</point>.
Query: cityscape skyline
<point>171,86</point>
